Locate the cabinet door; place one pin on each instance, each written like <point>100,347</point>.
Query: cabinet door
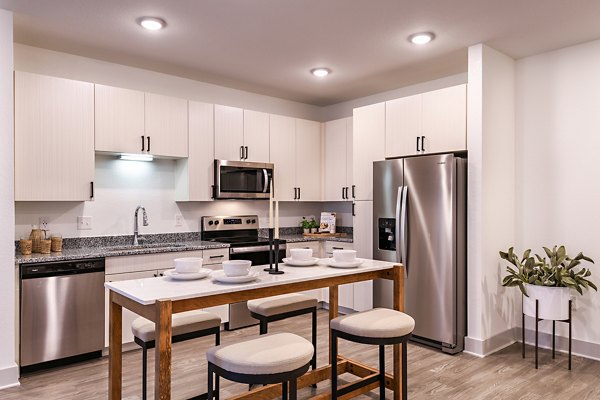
<point>445,119</point>
<point>308,160</point>
<point>368,139</point>
<point>349,156</point>
<point>229,132</point>
<point>166,125</point>
<point>54,138</point>
<point>402,125</point>
<point>363,244</point>
<point>313,245</point>
<point>119,119</point>
<point>128,316</point>
<point>256,136</point>
<point>194,175</point>
<point>283,156</point>
<point>336,159</point>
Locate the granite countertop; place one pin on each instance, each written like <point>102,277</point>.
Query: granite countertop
<point>292,238</point>
<point>114,246</point>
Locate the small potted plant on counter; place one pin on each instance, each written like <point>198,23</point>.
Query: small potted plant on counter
<point>548,280</point>
<point>314,226</point>
<point>305,224</point>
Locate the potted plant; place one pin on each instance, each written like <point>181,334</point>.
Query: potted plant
<point>548,280</point>
<point>305,224</point>
<point>314,226</point>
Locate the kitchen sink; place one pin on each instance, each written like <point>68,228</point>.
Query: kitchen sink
<point>153,246</point>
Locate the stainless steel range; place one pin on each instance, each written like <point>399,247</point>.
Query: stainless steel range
<point>242,235</point>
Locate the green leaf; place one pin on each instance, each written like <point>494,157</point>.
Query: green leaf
<point>548,252</point>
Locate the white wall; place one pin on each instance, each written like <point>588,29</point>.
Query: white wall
<point>491,198</point>
<point>9,371</point>
<point>48,62</point>
<point>557,166</point>
<point>122,185</point>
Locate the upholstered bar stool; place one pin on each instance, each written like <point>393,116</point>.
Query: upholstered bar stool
<point>380,326</point>
<point>270,359</point>
<point>186,325</point>
<point>276,308</point>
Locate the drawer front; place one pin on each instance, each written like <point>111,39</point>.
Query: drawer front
<point>215,256</point>
<point>314,245</point>
<point>331,246</point>
<point>146,262</point>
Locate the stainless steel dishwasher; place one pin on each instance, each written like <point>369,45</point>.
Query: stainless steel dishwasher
<point>62,312</point>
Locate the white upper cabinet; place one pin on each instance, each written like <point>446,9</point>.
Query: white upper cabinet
<point>368,142</point>
<point>256,136</point>
<point>229,133</point>
<point>54,138</point>
<point>309,169</point>
<point>119,120</point>
<point>194,175</point>
<point>431,122</point>
<point>241,134</point>
<point>338,160</point>
<point>166,125</point>
<point>129,121</point>
<point>445,120</point>
<point>283,156</point>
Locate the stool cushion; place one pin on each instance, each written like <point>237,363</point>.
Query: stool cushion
<point>375,323</point>
<point>284,303</point>
<point>266,354</point>
<point>185,322</point>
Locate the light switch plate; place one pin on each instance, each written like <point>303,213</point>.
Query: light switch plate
<point>179,220</point>
<point>84,223</point>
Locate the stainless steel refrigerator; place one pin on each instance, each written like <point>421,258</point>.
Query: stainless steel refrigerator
<point>419,216</point>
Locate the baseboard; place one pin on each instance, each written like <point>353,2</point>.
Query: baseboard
<point>9,377</point>
<point>483,348</point>
<point>579,347</point>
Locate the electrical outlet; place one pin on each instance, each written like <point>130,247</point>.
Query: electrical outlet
<point>179,220</point>
<point>84,223</point>
<point>44,223</point>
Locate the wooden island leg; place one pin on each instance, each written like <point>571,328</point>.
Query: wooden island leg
<point>399,306</point>
<point>162,363</point>
<point>115,351</point>
<point>333,313</point>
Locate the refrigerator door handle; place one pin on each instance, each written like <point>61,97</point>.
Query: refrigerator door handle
<point>398,219</point>
<point>403,226</point>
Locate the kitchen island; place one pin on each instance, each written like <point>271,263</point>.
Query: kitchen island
<point>158,299</point>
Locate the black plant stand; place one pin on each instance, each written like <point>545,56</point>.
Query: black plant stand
<point>537,320</point>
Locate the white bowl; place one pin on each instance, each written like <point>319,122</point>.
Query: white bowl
<point>301,254</point>
<point>237,267</point>
<point>344,255</point>
<point>188,265</point>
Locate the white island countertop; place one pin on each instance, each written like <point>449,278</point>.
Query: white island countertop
<point>148,290</point>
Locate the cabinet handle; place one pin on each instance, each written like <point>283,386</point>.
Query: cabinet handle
<point>143,142</point>
<point>353,213</point>
<point>246,156</point>
<point>295,193</point>
<point>343,191</point>
<point>213,257</point>
<point>422,143</point>
<point>241,152</point>
<point>353,195</point>
<point>299,194</point>
<point>418,139</point>
<point>148,144</point>
<point>337,248</point>
<point>155,275</point>
<point>92,190</point>
<point>161,274</point>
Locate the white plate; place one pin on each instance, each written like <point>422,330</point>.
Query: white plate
<point>220,276</point>
<point>343,264</point>
<point>191,276</point>
<point>301,263</point>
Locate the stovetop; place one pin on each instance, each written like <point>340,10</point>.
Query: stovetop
<point>237,231</point>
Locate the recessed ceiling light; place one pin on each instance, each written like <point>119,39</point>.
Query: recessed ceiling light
<point>152,23</point>
<point>320,72</point>
<point>421,38</point>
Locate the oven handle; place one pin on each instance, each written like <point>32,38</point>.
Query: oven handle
<point>253,249</point>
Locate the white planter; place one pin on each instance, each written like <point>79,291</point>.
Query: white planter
<point>306,231</point>
<point>553,302</point>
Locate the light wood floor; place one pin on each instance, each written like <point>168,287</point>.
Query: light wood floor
<point>431,375</point>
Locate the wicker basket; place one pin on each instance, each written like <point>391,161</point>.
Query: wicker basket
<point>45,246</point>
<point>36,237</point>
<point>56,243</point>
<point>25,246</point>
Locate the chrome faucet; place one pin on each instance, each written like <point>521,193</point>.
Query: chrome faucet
<point>135,223</point>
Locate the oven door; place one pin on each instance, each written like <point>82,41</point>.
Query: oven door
<point>239,315</point>
<point>242,180</point>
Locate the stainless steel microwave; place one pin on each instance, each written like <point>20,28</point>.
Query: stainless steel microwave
<point>242,180</point>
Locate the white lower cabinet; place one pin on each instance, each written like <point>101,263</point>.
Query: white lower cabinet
<point>316,248</point>
<point>153,266</point>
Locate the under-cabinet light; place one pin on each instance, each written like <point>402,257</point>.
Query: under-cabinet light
<point>136,157</point>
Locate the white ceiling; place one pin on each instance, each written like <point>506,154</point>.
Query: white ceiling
<point>269,46</point>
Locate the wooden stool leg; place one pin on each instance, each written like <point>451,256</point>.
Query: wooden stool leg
<point>334,352</point>
<point>144,371</point>
<point>382,372</point>
<point>314,342</point>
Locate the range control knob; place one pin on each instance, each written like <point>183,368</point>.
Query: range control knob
<point>253,221</point>
<point>247,221</point>
<point>216,222</point>
<point>210,222</point>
